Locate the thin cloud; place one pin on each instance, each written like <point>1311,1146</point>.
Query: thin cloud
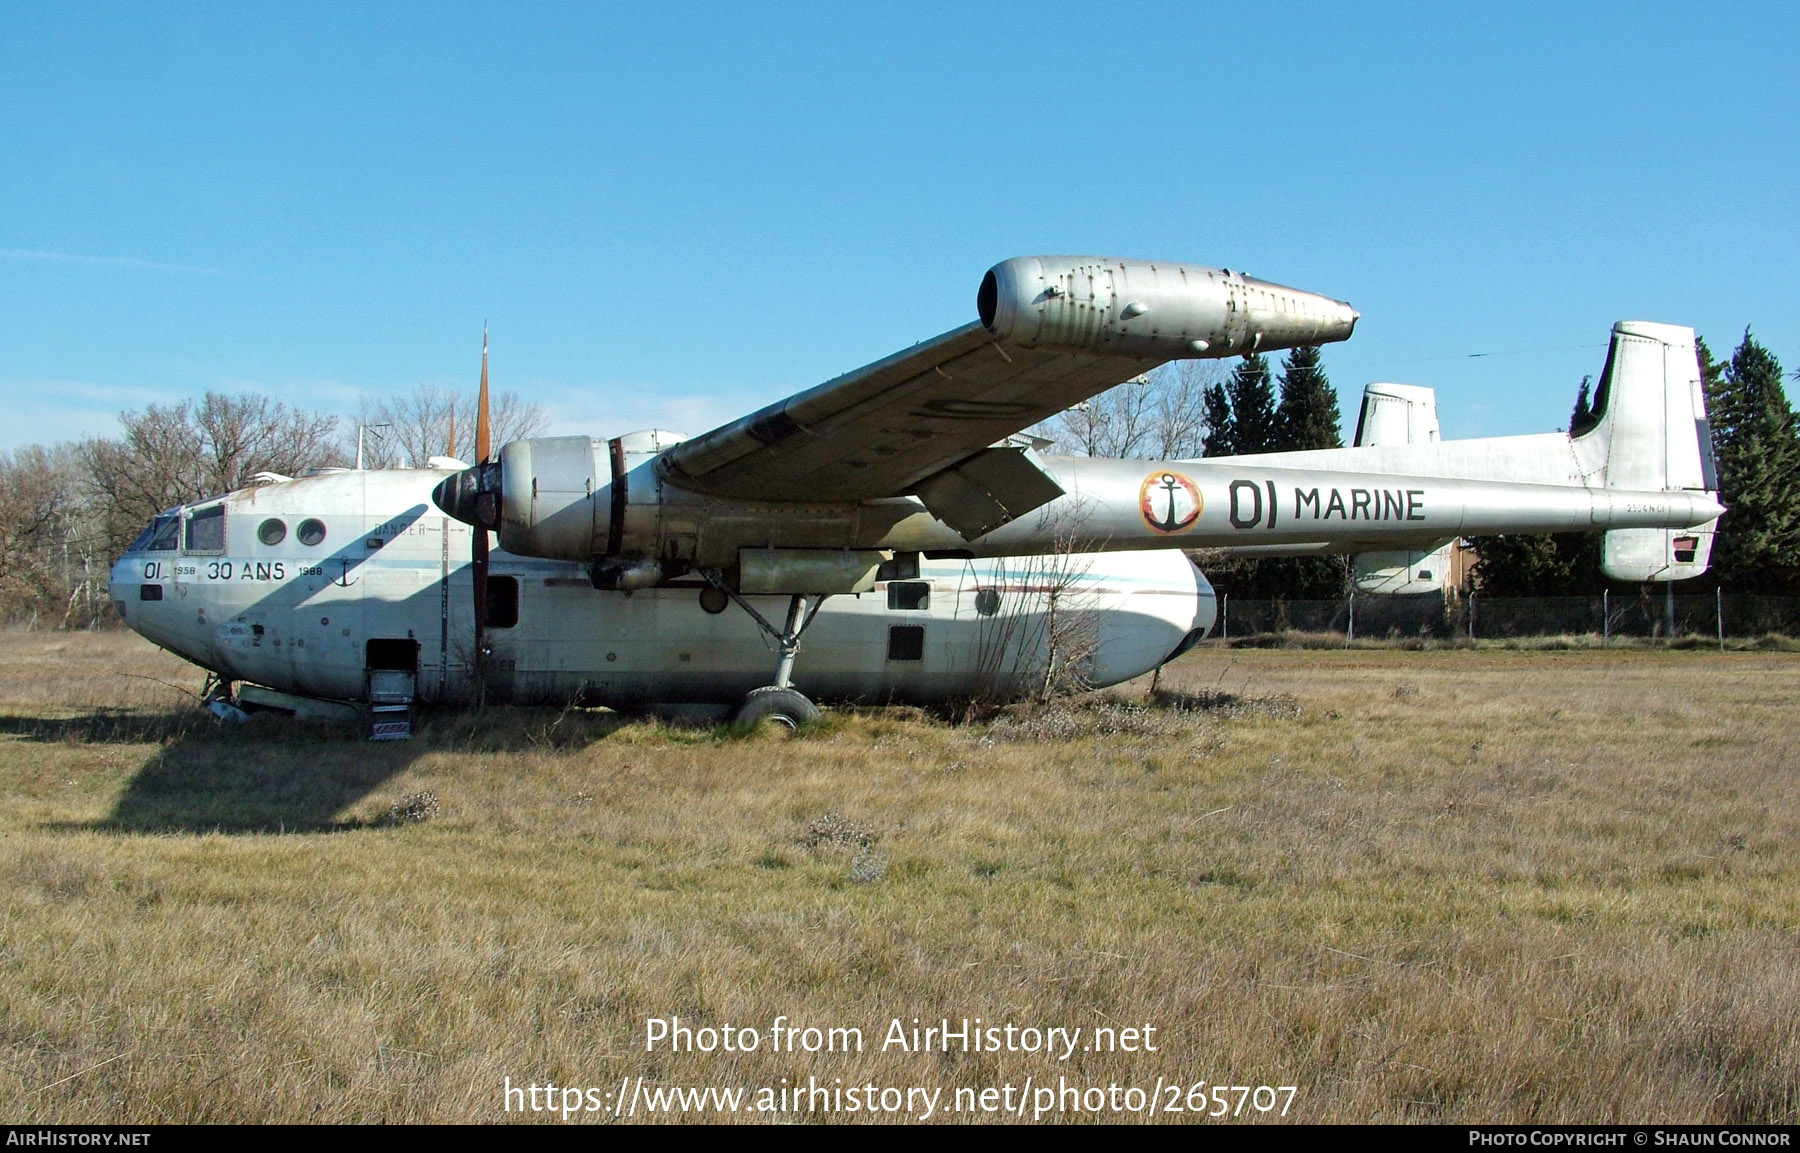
<point>109,261</point>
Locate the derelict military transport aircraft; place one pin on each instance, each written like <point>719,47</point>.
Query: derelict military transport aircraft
<point>894,517</point>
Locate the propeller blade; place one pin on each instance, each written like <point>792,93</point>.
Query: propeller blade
<point>483,430</point>
<point>478,548</point>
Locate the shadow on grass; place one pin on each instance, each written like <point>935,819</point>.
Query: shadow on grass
<point>269,776</point>
<point>275,774</point>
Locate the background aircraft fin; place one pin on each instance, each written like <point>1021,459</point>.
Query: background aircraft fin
<point>1399,414</point>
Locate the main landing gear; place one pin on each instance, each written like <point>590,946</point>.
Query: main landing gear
<point>778,702</point>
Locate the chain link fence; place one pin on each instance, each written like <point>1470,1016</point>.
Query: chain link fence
<point>1475,616</point>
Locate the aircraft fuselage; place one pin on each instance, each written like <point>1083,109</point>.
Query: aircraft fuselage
<point>311,586</point>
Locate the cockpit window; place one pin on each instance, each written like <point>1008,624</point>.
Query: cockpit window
<point>162,535</point>
<point>206,529</point>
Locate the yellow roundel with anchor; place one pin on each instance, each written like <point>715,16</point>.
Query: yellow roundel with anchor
<point>1170,502</point>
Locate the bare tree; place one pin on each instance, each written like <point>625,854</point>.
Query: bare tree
<point>32,503</point>
<point>53,558</point>
<point>1181,424</point>
<point>1159,416</point>
<point>1038,633</point>
<point>179,453</point>
<point>420,423</point>
<point>1116,423</point>
<point>243,435</point>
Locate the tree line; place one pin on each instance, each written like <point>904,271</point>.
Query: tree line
<point>67,511</point>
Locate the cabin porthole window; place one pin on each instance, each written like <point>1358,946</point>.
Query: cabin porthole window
<point>311,532</point>
<point>272,531</point>
<point>987,602</point>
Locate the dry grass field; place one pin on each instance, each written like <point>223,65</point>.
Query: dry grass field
<point>1442,886</point>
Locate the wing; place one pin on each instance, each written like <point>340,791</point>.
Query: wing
<point>1054,331</point>
<point>882,430</point>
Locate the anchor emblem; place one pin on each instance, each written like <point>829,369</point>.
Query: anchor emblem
<point>1169,502</point>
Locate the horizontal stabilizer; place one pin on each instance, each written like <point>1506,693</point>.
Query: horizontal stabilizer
<point>1656,554</point>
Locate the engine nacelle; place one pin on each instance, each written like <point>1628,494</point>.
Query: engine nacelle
<point>555,498</point>
<point>1158,311</point>
<point>599,502</point>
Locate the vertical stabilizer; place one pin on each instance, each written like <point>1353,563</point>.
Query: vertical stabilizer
<point>1651,433</point>
<point>1399,414</point>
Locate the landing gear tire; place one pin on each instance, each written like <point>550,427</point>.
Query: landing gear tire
<point>783,707</point>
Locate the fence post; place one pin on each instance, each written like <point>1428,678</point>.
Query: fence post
<point>1669,608</point>
<point>1350,622</point>
<point>1605,617</point>
<point>1719,613</point>
<point>1225,619</point>
<point>1471,614</point>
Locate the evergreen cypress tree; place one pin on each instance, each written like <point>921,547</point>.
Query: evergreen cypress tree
<point>1758,445</point>
<point>1221,430</point>
<point>1582,420</point>
<point>1544,564</point>
<point>1712,373</point>
<point>1712,383</point>
<point>1306,418</point>
<point>1252,406</point>
<point>1308,415</point>
<point>1539,564</point>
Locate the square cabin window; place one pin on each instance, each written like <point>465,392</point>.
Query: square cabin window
<point>906,642</point>
<point>206,529</point>
<point>502,602</point>
<point>910,595</point>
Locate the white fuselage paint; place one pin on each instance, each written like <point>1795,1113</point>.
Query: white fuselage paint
<point>299,617</point>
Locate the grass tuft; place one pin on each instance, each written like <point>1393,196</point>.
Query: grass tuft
<point>835,829</point>
<point>413,809</point>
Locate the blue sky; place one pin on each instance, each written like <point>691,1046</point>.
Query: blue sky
<point>672,214</point>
